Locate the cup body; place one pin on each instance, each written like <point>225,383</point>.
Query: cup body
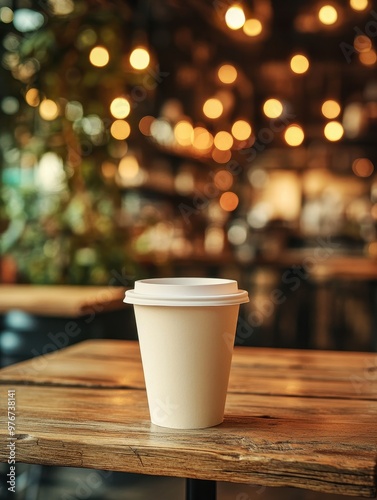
<point>186,350</point>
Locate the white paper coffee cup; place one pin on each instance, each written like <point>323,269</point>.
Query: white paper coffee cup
<point>186,329</point>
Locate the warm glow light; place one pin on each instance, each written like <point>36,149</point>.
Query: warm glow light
<point>120,130</point>
<point>330,109</point>
<point>368,58</point>
<point>128,167</point>
<point>252,27</point>
<point>333,131</point>
<point>229,201</point>
<point>183,133</point>
<point>362,167</point>
<point>235,17</point>
<point>272,108</point>
<point>223,180</point>
<point>120,107</point>
<point>299,64</point>
<point>359,4</point>
<point>32,97</point>
<point>139,58</point>
<point>201,138</point>
<point>145,125</point>
<point>108,169</point>
<point>99,56</point>
<point>223,140</point>
<point>227,73</point>
<point>241,130</point>
<point>213,108</point>
<point>294,135</point>
<point>328,15</point>
<point>221,156</point>
<point>362,43</point>
<point>48,110</point>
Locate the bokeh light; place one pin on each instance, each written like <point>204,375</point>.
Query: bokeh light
<point>299,64</point>
<point>223,140</point>
<point>241,130</point>
<point>229,201</point>
<point>362,167</point>
<point>368,58</point>
<point>120,130</point>
<point>139,58</point>
<point>120,107</point>
<point>48,110</point>
<point>334,131</point>
<point>252,27</point>
<point>362,43</point>
<point>10,105</point>
<point>223,180</point>
<point>32,97</point>
<point>201,138</point>
<point>99,56</point>
<point>213,108</point>
<point>235,17</point>
<point>359,4</point>
<point>183,133</point>
<point>330,109</point>
<point>273,108</point>
<point>145,125</point>
<point>294,135</point>
<point>227,73</point>
<point>128,167</point>
<point>221,156</point>
<point>6,15</point>
<point>328,15</point>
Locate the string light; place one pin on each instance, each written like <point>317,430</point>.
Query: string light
<point>235,17</point>
<point>223,140</point>
<point>359,4</point>
<point>273,108</point>
<point>120,130</point>
<point>362,43</point>
<point>294,135</point>
<point>48,110</point>
<point>331,109</point>
<point>145,125</point>
<point>229,201</point>
<point>334,131</point>
<point>221,156</point>
<point>183,133</point>
<point>223,180</point>
<point>362,167</point>
<point>299,64</point>
<point>213,108</point>
<point>252,27</point>
<point>139,58</point>
<point>328,15</point>
<point>227,73</point>
<point>99,56</point>
<point>32,97</point>
<point>241,130</point>
<point>201,138</point>
<point>120,107</point>
<point>368,58</point>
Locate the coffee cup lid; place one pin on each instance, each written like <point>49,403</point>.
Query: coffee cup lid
<point>186,292</point>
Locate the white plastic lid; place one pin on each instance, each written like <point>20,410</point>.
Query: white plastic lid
<point>186,292</point>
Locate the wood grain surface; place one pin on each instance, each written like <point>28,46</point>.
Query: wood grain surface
<point>293,418</point>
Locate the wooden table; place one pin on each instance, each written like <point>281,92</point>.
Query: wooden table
<point>306,419</point>
<point>61,300</point>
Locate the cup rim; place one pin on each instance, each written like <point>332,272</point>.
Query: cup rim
<point>186,291</point>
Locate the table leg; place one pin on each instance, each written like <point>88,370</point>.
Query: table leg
<point>197,489</point>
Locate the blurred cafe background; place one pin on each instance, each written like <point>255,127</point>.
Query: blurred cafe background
<point>198,138</point>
